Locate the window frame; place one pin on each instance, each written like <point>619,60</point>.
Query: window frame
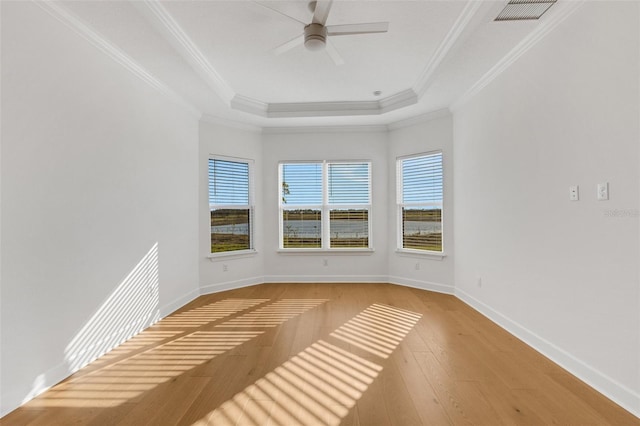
<point>250,207</point>
<point>325,210</point>
<point>400,205</point>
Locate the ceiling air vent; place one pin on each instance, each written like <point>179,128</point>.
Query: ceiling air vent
<point>519,10</point>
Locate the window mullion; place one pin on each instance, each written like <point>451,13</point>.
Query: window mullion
<point>326,232</point>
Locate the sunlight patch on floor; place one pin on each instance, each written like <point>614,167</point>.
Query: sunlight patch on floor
<point>209,313</point>
<point>110,381</point>
<point>274,314</point>
<point>126,380</point>
<point>322,383</point>
<point>378,329</point>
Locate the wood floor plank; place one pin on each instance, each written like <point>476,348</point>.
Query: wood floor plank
<point>511,409</point>
<point>401,407</point>
<point>154,409</point>
<point>372,409</point>
<point>322,354</point>
<point>424,397</point>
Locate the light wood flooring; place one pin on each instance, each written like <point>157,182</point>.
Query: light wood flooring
<point>322,354</point>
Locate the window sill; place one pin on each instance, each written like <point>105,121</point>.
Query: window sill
<point>231,254</point>
<point>423,254</point>
<point>326,252</point>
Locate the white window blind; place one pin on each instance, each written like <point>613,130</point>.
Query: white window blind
<point>348,183</point>
<point>230,205</point>
<point>302,183</point>
<point>420,202</point>
<point>228,182</point>
<point>348,199</point>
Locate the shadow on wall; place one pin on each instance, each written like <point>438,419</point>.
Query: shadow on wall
<point>132,307</point>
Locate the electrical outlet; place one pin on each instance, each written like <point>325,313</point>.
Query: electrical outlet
<point>417,266</point>
<point>603,191</point>
<point>225,267</point>
<point>479,282</point>
<point>573,193</point>
<point>325,262</point>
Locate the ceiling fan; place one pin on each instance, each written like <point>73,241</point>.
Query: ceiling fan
<point>316,33</point>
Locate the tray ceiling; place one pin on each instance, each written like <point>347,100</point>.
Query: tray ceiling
<point>218,56</point>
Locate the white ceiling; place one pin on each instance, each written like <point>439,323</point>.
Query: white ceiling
<point>217,56</point>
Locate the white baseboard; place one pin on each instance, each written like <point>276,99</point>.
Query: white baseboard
<point>326,279</point>
<point>12,400</point>
<point>617,392</point>
<point>231,285</point>
<point>178,303</point>
<point>422,285</point>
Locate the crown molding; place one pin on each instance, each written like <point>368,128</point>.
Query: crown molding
<point>419,119</point>
<point>249,105</point>
<point>447,44</point>
<point>325,109</point>
<point>549,23</point>
<point>323,129</point>
<point>59,12</point>
<point>397,101</point>
<point>174,33</point>
<point>322,109</point>
<point>412,121</point>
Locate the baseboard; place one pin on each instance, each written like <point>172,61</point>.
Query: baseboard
<point>422,285</point>
<point>43,382</point>
<point>178,303</point>
<point>231,285</point>
<point>620,394</point>
<point>326,279</point>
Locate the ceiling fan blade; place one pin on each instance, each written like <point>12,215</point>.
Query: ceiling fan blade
<point>285,47</point>
<point>279,12</point>
<point>350,29</point>
<point>333,53</point>
<point>321,12</point>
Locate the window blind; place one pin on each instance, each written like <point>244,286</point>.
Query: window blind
<point>302,184</point>
<point>422,179</point>
<point>348,183</point>
<point>228,182</point>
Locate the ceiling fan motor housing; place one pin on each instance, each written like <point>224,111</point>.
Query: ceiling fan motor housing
<point>315,36</point>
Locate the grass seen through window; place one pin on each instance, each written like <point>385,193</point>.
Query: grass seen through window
<point>230,230</point>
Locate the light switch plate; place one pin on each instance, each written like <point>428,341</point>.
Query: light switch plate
<point>603,191</point>
<point>573,193</point>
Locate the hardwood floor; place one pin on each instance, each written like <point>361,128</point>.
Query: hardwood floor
<point>322,354</point>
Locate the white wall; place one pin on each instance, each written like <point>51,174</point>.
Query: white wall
<point>327,145</point>
<point>427,272</point>
<point>99,179</point>
<point>241,270</point>
<point>99,171</point>
<point>563,275</point>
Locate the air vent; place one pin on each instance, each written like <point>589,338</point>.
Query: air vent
<point>520,10</point>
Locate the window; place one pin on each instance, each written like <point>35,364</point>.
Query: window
<point>230,205</point>
<point>325,205</point>
<point>420,202</point>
